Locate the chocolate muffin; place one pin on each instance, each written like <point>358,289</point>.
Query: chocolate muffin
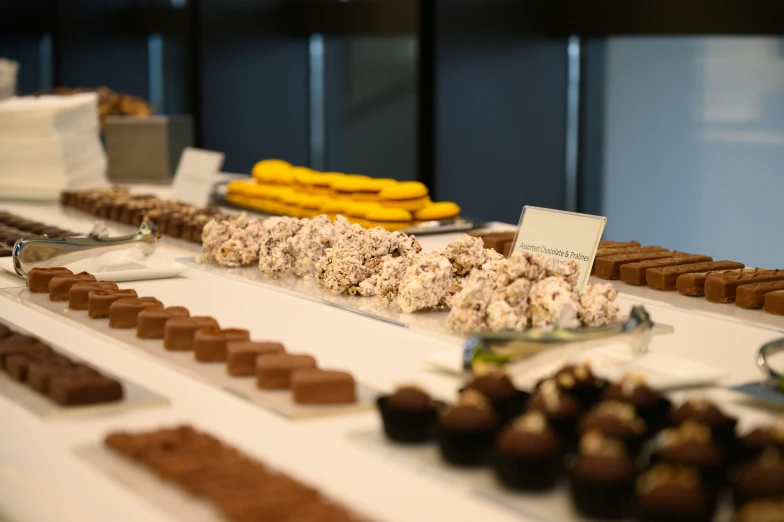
<point>528,454</point>
<point>705,412</point>
<point>580,381</point>
<point>601,481</point>
<point>691,444</point>
<point>467,430</point>
<point>760,478</point>
<point>650,406</point>
<point>507,400</point>
<point>674,494</point>
<point>762,511</point>
<point>616,420</point>
<point>409,415</point>
<point>752,444</point>
<point>560,408</point>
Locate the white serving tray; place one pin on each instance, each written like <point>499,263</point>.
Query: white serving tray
<point>662,372</point>
<point>118,267</point>
<point>279,401</point>
<point>553,506</point>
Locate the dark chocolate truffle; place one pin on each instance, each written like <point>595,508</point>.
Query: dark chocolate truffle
<point>705,412</point>
<point>760,478</point>
<point>409,415</point>
<point>561,409</point>
<point>616,420</point>
<point>581,382</point>
<point>759,439</point>
<point>762,511</point>
<point>601,481</point>
<point>467,430</point>
<point>691,444</point>
<point>507,400</point>
<point>650,406</point>
<point>528,454</point>
<point>676,493</point>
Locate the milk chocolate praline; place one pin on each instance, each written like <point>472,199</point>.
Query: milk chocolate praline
<point>151,322</point>
<point>38,278</point>
<point>528,454</point>
<point>78,295</point>
<point>179,331</point>
<point>60,285</point>
<point>409,415</point>
<point>99,301</point>
<point>466,431</point>
<point>209,344</point>
<point>124,313</point>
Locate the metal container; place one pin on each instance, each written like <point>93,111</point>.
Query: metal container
<point>146,149</point>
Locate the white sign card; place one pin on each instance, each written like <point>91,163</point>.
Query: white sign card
<point>195,176</point>
<point>560,235</point>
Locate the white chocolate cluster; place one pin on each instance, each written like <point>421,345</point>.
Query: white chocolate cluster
<point>232,241</point>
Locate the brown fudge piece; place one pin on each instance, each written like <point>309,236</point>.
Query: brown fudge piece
<point>604,243</point>
<point>721,288</point>
<point>753,295</point>
<point>99,301</point>
<point>774,302</point>
<point>16,365</point>
<point>38,278</point>
<point>60,286</point>
<point>318,386</point>
<point>209,344</point>
<point>77,387</point>
<point>16,343</point>
<point>694,284</point>
<point>40,373</point>
<point>151,322</point>
<point>665,278</point>
<point>609,267</point>
<point>124,312</point>
<point>241,356</point>
<point>274,371</point>
<point>179,331</point>
<point>635,273</point>
<point>79,293</point>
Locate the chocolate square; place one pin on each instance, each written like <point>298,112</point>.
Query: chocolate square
<point>209,344</point>
<point>315,386</point>
<point>274,371</point>
<point>124,312</point>
<point>241,355</point>
<point>76,389</point>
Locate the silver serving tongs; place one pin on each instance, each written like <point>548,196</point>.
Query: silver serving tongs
<point>775,380</point>
<point>60,251</point>
<point>502,348</point>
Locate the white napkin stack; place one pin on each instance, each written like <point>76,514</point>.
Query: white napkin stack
<point>50,143</point>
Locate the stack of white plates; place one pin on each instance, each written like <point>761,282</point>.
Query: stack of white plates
<point>49,143</point>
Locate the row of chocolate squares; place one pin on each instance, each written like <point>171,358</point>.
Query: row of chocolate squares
<point>170,217</point>
<point>532,451</point>
<point>27,360</point>
<point>240,487</point>
<point>14,228</point>
<point>273,367</point>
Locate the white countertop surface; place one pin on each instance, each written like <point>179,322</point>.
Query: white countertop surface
<point>41,479</point>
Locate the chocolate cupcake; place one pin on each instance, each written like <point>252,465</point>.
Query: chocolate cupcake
<point>409,415</point>
<point>674,494</point>
<point>467,430</point>
<point>507,400</point>
<point>691,444</point>
<point>561,410</point>
<point>580,381</point>
<point>650,406</point>
<point>528,454</point>
<point>752,444</point>
<point>616,420</point>
<point>707,413</point>
<point>601,481</point>
<point>762,511</point>
<point>760,478</point>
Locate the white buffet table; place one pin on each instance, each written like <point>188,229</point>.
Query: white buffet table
<point>41,478</point>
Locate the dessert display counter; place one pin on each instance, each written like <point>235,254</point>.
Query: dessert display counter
<point>44,474</point>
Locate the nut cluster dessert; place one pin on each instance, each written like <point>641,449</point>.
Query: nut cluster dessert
<point>273,367</point>
<point>172,218</point>
<point>241,488</point>
<point>68,383</point>
<point>482,289</point>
